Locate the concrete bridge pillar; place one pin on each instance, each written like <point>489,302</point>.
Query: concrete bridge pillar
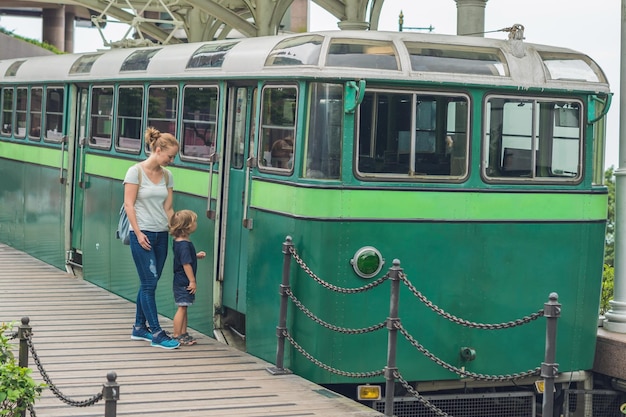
<point>470,17</point>
<point>53,27</point>
<point>70,17</point>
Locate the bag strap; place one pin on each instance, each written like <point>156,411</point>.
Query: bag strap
<point>166,174</point>
<point>139,176</point>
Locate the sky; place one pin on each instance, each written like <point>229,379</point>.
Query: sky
<point>593,30</point>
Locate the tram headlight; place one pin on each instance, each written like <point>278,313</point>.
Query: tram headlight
<point>368,392</point>
<point>367,262</point>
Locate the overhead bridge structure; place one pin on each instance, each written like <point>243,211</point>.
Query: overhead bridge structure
<point>175,21</point>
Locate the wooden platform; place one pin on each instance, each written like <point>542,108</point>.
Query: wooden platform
<point>81,332</point>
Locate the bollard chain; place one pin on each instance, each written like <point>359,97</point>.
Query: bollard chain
<point>332,287</point>
<point>438,411</point>
<point>48,381</point>
<point>461,372</point>
<point>323,323</point>
<point>467,323</point>
<point>327,367</point>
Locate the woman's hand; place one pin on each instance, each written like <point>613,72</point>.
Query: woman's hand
<point>201,254</point>
<point>143,240</point>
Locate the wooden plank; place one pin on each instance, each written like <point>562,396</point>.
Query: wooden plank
<point>81,332</point>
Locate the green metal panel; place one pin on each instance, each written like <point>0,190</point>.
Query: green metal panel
<point>108,263</point>
<point>467,205</point>
<point>32,209</point>
<point>482,271</point>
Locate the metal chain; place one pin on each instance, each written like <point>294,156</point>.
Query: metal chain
<point>48,381</point>
<point>316,319</point>
<point>31,411</point>
<point>467,323</point>
<point>461,372</point>
<point>438,411</point>
<point>332,287</point>
<point>329,368</point>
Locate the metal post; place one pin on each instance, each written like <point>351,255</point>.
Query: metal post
<point>390,369</point>
<point>110,393</point>
<point>616,316</point>
<point>282,318</point>
<point>550,369</point>
<point>23,333</point>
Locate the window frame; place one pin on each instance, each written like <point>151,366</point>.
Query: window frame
<point>534,178</point>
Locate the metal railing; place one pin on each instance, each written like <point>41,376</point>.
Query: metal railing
<point>110,389</point>
<point>548,369</point>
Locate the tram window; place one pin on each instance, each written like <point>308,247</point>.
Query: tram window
<point>12,70</point>
<point>408,135</point>
<point>362,53</point>
<point>84,63</point>
<point>278,128</point>
<point>129,111</point>
<point>323,148</point>
<point>7,111</point>
<point>561,66</point>
<point>199,121</point>
<point>139,60</point>
<point>456,59</point>
<point>301,50</point>
<point>54,114</point>
<point>35,113</point>
<point>101,117</point>
<point>163,108</point>
<point>528,138</point>
<point>20,112</point>
<point>210,55</point>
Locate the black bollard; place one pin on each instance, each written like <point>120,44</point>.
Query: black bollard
<point>23,333</point>
<point>110,393</point>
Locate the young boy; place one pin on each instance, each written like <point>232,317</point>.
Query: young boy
<point>182,224</point>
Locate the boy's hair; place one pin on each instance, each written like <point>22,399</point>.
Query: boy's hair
<point>181,221</point>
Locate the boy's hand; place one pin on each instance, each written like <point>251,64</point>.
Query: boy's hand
<point>191,288</point>
<point>201,254</point>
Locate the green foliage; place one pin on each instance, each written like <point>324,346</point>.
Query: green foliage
<point>609,247</point>
<point>18,390</point>
<point>33,41</point>
<point>608,276</point>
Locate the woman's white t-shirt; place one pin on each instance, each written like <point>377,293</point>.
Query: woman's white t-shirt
<point>149,211</point>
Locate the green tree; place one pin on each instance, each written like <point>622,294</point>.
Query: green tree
<point>608,274</point>
<point>609,247</point>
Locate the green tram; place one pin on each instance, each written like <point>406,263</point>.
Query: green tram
<point>478,163</point>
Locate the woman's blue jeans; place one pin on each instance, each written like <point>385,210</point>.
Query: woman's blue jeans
<point>149,265</point>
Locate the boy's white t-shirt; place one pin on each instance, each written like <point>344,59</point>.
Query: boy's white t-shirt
<point>149,210</point>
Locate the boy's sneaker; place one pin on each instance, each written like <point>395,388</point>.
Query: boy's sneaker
<point>165,342</point>
<point>185,339</point>
<point>141,334</point>
<point>189,339</point>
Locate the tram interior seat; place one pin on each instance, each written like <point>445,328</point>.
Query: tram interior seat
<point>367,164</point>
<point>516,162</point>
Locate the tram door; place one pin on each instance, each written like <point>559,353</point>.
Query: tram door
<point>234,227</point>
<point>76,186</point>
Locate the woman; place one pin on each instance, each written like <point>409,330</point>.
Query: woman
<point>148,204</point>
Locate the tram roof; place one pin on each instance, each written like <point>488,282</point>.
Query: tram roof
<point>368,55</point>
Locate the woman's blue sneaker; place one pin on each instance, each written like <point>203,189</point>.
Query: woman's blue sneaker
<point>141,334</point>
<point>165,343</point>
